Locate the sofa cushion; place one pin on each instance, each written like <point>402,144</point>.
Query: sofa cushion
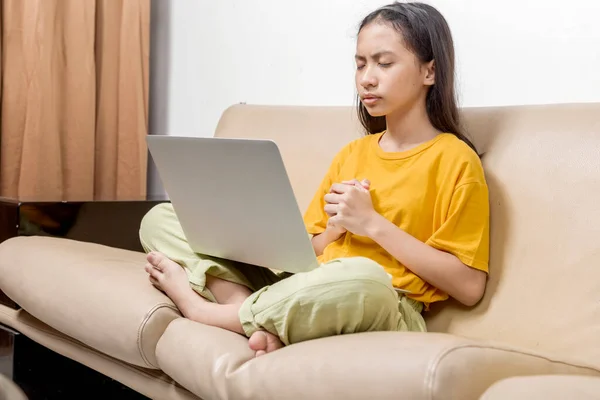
<point>543,293</point>
<point>547,387</point>
<point>299,131</point>
<point>152,383</point>
<point>217,364</point>
<point>9,390</point>
<point>98,295</point>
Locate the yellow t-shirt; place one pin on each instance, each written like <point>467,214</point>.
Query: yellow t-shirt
<point>436,192</point>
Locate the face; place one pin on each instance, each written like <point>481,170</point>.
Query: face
<point>389,77</point>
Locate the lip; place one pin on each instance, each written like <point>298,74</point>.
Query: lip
<point>370,99</point>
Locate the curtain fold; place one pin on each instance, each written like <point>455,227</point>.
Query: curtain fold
<point>74,99</point>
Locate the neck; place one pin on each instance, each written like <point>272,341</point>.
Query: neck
<point>408,128</point>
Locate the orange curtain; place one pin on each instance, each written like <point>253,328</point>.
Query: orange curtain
<point>74,99</point>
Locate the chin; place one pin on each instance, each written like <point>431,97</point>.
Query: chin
<point>376,111</point>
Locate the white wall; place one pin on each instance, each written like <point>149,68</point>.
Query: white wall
<point>216,53</point>
<point>207,55</point>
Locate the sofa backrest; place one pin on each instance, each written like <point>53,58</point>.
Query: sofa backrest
<point>308,138</point>
<point>543,168</point>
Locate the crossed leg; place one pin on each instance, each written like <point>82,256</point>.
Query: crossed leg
<point>171,278</point>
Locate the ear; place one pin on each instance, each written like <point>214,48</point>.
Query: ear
<point>429,79</point>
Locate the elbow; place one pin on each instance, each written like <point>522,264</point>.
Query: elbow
<point>470,299</point>
<point>473,289</point>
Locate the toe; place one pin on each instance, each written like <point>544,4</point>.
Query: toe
<point>273,343</point>
<point>258,341</point>
<point>153,258</point>
<point>162,263</point>
<point>155,274</point>
<point>260,353</point>
<point>155,283</point>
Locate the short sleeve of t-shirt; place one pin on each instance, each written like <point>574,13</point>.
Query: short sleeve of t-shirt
<point>465,231</point>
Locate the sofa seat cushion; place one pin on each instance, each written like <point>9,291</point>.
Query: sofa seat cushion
<point>546,387</point>
<point>98,295</point>
<point>10,390</point>
<point>217,364</point>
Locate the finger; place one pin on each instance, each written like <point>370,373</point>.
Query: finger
<point>331,209</point>
<point>340,188</point>
<point>332,198</point>
<point>351,182</point>
<point>336,220</point>
<point>365,183</point>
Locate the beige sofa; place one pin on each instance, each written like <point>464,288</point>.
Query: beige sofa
<point>540,315</point>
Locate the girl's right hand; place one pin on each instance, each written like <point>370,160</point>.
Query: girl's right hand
<point>336,230</point>
<point>365,183</point>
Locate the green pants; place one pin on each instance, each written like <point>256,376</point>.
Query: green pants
<point>347,295</point>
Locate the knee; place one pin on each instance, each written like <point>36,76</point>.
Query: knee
<point>361,268</point>
<point>379,300</point>
<point>153,222</point>
<point>365,276</point>
<point>156,216</point>
<point>362,289</point>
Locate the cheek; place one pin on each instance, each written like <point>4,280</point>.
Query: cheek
<point>393,87</point>
<point>402,84</point>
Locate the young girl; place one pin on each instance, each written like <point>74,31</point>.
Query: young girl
<point>405,207</point>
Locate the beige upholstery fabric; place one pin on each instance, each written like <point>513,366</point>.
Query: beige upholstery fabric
<point>149,382</point>
<point>545,388</point>
<point>9,390</point>
<point>364,366</point>
<point>543,169</point>
<point>95,294</point>
<point>308,138</point>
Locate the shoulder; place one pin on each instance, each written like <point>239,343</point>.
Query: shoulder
<point>356,145</point>
<point>460,161</point>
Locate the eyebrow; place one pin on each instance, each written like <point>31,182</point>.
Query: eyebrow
<point>377,55</point>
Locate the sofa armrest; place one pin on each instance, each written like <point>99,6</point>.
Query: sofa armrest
<point>546,387</point>
<point>95,294</point>
<point>378,365</point>
<point>9,390</point>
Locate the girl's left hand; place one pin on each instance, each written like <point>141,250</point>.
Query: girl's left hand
<point>351,207</point>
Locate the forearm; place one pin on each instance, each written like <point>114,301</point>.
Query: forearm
<point>442,270</point>
<point>323,240</point>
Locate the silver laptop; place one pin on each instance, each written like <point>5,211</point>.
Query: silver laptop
<point>234,200</point>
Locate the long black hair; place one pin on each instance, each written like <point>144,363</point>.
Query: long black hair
<point>427,34</point>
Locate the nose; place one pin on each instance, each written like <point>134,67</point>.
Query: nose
<point>367,78</point>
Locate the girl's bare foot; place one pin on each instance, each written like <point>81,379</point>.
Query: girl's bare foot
<point>168,276</point>
<point>171,278</point>
<point>263,342</point>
